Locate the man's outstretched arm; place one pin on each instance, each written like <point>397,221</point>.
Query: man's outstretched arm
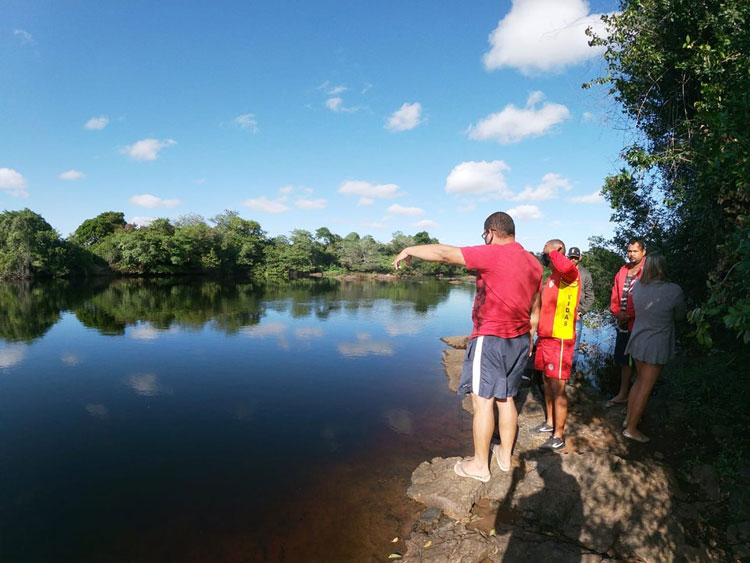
<point>430,253</point>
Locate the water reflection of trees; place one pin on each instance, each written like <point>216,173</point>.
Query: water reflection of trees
<point>28,311</point>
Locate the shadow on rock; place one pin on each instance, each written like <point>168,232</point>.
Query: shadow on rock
<point>541,525</point>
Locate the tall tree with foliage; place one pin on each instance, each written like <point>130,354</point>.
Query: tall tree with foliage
<point>679,69</point>
<point>95,230</point>
<point>30,247</point>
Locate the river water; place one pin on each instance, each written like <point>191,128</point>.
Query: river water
<point>178,420</point>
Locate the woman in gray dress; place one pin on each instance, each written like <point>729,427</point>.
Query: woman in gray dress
<point>658,305</point>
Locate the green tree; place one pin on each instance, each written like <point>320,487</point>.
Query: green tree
<point>94,231</point>
<point>240,243</point>
<point>30,247</point>
<point>603,263</point>
<point>680,72</point>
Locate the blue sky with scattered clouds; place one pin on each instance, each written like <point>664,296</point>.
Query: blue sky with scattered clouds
<point>372,117</point>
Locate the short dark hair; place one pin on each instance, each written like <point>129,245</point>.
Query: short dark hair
<point>638,241</point>
<point>500,222</point>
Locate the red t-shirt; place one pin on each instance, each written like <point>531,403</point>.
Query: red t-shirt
<point>508,277</point>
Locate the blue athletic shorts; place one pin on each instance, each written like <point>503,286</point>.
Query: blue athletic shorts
<point>493,366</point>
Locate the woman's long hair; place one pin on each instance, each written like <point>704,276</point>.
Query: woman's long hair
<point>655,268</point>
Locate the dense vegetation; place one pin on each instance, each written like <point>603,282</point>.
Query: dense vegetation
<point>679,70</point>
<point>231,245</point>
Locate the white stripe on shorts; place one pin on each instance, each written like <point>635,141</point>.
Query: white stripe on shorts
<point>476,366</point>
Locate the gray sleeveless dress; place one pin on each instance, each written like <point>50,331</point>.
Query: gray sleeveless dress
<point>658,305</point>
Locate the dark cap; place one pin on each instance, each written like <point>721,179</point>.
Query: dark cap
<point>574,252</point>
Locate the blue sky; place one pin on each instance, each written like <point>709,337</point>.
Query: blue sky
<point>372,117</point>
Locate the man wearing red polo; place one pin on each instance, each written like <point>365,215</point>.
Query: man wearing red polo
<point>508,280</point>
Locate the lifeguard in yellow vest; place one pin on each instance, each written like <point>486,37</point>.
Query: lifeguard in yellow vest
<point>556,338</point>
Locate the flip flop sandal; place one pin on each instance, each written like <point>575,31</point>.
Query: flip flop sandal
<point>461,472</point>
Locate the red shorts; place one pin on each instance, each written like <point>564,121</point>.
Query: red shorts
<point>554,356</point>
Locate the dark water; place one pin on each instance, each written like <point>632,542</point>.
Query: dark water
<point>173,420</point>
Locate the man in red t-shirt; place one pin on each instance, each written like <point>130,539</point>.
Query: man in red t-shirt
<point>508,281</point>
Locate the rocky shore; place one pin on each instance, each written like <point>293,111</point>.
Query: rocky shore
<point>602,498</point>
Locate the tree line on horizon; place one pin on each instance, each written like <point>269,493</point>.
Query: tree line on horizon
<point>229,245</point>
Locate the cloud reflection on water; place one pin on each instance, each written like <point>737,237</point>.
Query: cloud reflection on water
<point>306,332</point>
<point>70,359</point>
<point>11,355</point>
<point>143,332</point>
<point>272,329</point>
<point>399,420</point>
<point>146,384</point>
<point>366,346</point>
<point>97,410</point>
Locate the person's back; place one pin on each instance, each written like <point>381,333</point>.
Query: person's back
<point>657,304</point>
<point>508,277</point>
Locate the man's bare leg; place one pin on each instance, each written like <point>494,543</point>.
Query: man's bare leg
<point>507,421</point>
<point>549,402</point>
<point>482,426</point>
<point>555,390</point>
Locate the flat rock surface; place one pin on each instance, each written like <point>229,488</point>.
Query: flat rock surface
<point>595,500</point>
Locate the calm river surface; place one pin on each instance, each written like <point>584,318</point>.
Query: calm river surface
<point>177,420</point>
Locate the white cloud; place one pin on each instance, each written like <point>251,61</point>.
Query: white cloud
<point>479,178</point>
<point>265,205</point>
<point>337,104</point>
<point>587,116</point>
<point>25,37</point>
<point>513,124</point>
<point>247,121</point>
<point>150,201</point>
<point>285,190</point>
<point>97,123</point>
<point>525,212</point>
<point>333,104</point>
<point>595,197</point>
<point>146,149</point>
<point>71,175</point>
<point>141,221</point>
<point>397,209</point>
<point>405,118</point>
<point>368,192</point>
<point>425,224</point>
<point>310,203</point>
<point>543,35</point>
<point>13,182</point>
<point>548,189</point>
<point>336,90</point>
<point>374,225</point>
